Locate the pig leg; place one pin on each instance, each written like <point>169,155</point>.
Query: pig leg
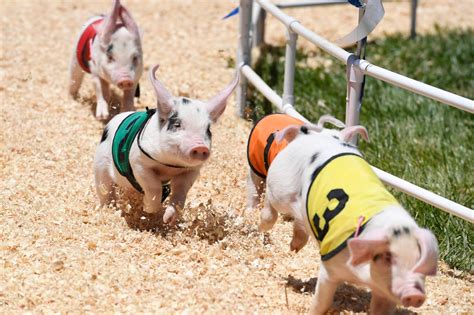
<point>76,76</point>
<point>300,236</point>
<point>381,305</point>
<point>127,100</point>
<point>268,216</point>
<point>105,188</point>
<point>152,196</point>
<point>324,293</point>
<point>254,189</point>
<point>102,91</point>
<point>180,186</point>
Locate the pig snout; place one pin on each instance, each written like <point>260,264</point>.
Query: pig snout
<point>413,297</point>
<point>125,84</point>
<point>200,153</point>
<point>412,294</point>
<point>123,80</point>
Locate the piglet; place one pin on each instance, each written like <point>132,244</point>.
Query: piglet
<point>262,149</point>
<point>109,48</point>
<point>365,236</point>
<point>150,151</point>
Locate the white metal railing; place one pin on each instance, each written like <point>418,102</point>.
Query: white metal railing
<point>356,69</point>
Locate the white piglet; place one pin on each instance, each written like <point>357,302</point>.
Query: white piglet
<point>109,48</point>
<point>159,150</point>
<point>365,236</point>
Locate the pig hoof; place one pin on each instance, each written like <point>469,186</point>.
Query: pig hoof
<point>170,216</point>
<point>102,117</point>
<point>295,247</point>
<point>263,227</point>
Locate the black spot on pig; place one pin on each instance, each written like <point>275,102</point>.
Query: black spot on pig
<point>345,144</point>
<point>397,232</point>
<point>208,132</point>
<point>104,134</point>
<point>174,123</point>
<point>304,130</point>
<point>110,48</point>
<point>335,137</point>
<point>313,158</point>
<point>185,100</point>
<point>406,229</point>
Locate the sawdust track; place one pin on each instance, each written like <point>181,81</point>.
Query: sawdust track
<point>60,253</point>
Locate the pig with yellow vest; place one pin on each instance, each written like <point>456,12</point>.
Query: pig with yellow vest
<point>365,236</point>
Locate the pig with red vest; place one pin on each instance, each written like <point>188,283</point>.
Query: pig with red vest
<point>160,151</point>
<point>109,48</point>
<point>365,236</point>
<point>262,149</point>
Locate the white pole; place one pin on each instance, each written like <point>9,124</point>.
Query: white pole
<point>290,60</point>
<point>243,53</point>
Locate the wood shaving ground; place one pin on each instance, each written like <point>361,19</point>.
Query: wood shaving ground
<point>62,253</point>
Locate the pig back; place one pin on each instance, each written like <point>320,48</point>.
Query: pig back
<point>87,36</point>
<point>342,190</point>
<point>261,147</point>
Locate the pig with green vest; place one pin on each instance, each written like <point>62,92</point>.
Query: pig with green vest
<point>158,152</point>
<point>365,236</point>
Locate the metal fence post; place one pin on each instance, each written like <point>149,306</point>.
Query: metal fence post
<point>243,52</point>
<point>258,25</point>
<point>414,6</point>
<point>290,60</point>
<point>355,83</point>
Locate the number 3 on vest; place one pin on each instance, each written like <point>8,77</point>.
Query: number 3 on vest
<point>341,197</point>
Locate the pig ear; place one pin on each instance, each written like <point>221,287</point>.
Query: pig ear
<point>289,133</point>
<point>109,24</point>
<point>163,96</point>
<point>362,249</point>
<point>216,105</point>
<point>330,119</point>
<point>129,22</point>
<point>349,132</point>
<point>428,263</point>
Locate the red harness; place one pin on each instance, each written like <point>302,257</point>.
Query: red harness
<point>83,49</point>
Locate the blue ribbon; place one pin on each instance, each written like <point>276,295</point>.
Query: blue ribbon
<point>357,3</point>
<point>232,13</point>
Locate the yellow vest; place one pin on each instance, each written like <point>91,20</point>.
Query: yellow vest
<point>342,190</point>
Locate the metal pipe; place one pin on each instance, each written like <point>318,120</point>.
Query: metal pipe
<point>271,95</point>
<point>416,86</point>
<point>258,25</point>
<point>426,195</point>
<point>290,60</point>
<point>243,53</point>
<point>355,84</point>
<point>310,3</point>
<point>369,69</point>
<point>414,6</point>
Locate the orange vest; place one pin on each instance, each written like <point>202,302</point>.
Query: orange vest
<point>261,149</point>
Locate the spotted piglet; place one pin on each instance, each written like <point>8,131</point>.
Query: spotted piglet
<point>262,149</point>
<point>365,236</point>
<point>158,151</point>
<point>109,48</point>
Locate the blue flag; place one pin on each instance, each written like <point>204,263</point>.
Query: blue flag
<point>357,3</point>
<point>232,13</point>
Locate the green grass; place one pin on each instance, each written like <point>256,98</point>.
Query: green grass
<point>413,137</point>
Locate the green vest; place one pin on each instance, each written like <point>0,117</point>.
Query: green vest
<point>126,133</point>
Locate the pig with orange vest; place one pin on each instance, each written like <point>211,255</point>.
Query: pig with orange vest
<point>262,149</point>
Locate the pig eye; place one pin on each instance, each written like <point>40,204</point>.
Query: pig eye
<point>135,60</point>
<point>110,58</point>
<point>177,124</point>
